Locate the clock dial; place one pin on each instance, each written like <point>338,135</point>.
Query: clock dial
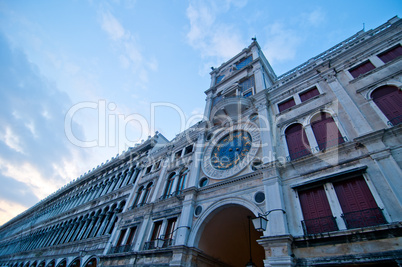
<point>230,150</point>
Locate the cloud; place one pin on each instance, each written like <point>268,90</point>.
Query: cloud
<point>282,43</point>
<point>208,34</point>
<point>33,145</point>
<point>111,26</point>
<point>128,49</point>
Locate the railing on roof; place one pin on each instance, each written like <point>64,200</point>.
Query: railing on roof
<point>346,44</point>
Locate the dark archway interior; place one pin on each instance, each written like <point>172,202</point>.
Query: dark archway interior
<point>226,237</point>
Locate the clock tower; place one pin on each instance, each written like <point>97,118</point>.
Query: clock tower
<point>235,113</point>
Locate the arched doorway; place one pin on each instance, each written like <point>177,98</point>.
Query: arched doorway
<point>225,236</point>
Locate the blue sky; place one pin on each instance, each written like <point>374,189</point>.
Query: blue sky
<point>82,80</point>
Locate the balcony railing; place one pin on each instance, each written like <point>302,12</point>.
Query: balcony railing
<point>364,218</point>
<point>331,143</point>
<point>120,249</point>
<point>395,121</point>
<point>319,225</point>
<point>151,244</point>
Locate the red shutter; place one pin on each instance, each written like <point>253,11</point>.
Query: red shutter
<point>287,104</point>
<point>309,94</point>
<point>391,54</point>
<point>357,203</point>
<point>297,141</point>
<point>325,131</point>
<point>389,101</point>
<point>316,211</point>
<point>362,69</point>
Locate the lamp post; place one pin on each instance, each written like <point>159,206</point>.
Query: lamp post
<point>260,222</point>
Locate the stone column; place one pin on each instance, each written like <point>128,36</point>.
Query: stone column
<point>276,240</point>
<point>311,138</point>
<point>162,177</point>
<point>83,229</point>
<point>267,135</point>
<point>356,117</point>
<point>194,169</point>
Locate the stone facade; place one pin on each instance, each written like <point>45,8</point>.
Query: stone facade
<point>315,151</point>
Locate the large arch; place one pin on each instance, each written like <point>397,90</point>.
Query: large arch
<point>223,233</point>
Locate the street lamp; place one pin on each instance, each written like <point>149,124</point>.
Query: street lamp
<point>260,222</point>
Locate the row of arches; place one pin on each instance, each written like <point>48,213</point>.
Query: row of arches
<point>175,183</point>
<point>93,224</point>
<point>81,195</point>
<point>77,262</point>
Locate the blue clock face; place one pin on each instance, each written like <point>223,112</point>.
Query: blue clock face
<point>230,150</point>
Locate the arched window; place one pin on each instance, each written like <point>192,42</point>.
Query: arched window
<point>182,181</point>
<point>137,197</point>
<point>169,185</point>
<point>389,101</point>
<point>297,141</point>
<point>325,131</point>
<point>146,193</point>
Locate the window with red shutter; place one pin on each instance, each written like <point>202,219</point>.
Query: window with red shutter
<point>361,69</point>
<point>297,141</point>
<point>357,203</point>
<point>316,211</point>
<point>391,54</point>
<point>326,131</point>
<point>287,104</point>
<point>389,101</point>
<point>309,94</point>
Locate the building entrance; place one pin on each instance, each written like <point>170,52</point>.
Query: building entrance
<point>225,236</point>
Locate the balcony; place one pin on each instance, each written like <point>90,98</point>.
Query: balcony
<point>152,244</point>
<point>364,218</point>
<point>395,121</point>
<point>229,108</point>
<point>319,225</point>
<point>120,249</point>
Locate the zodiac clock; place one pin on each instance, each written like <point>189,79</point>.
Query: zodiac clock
<point>231,151</point>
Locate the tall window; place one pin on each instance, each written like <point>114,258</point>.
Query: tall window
<point>169,185</point>
<point>357,203</point>
<point>297,141</point>
<point>156,231</point>
<point>146,193</point>
<point>137,197</point>
<point>391,54</point>
<point>389,101</point>
<point>131,235</point>
<point>121,236</point>
<point>361,69</point>
<point>316,211</point>
<point>247,84</point>
<point>182,181</point>
<point>171,224</point>
<point>325,131</point>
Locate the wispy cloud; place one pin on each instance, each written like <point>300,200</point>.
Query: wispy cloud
<point>212,37</point>
<point>282,43</point>
<point>130,55</point>
<point>32,141</point>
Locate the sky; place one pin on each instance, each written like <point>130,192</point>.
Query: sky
<point>83,80</point>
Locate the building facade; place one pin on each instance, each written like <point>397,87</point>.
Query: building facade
<point>316,152</point>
